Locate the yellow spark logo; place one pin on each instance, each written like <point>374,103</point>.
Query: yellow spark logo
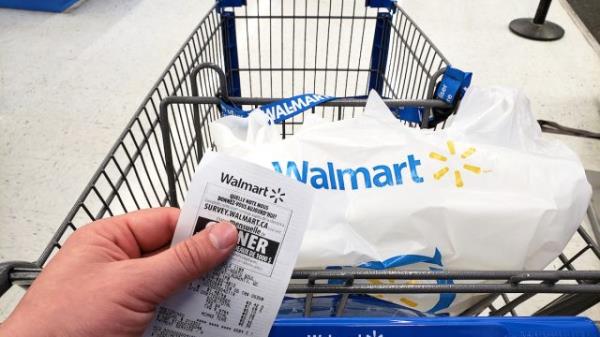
<point>458,181</point>
<point>405,300</point>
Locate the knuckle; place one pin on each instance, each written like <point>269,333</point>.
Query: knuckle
<point>81,234</point>
<point>192,257</point>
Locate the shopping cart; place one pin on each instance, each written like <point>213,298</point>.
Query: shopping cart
<point>254,53</point>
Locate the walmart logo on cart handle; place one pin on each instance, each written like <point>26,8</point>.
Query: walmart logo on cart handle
<point>281,110</point>
<point>331,177</point>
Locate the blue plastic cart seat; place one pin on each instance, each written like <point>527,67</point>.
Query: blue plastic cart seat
<point>436,327</point>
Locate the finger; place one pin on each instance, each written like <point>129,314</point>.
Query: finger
<point>189,260</point>
<point>139,232</point>
<point>153,228</point>
<point>155,252</point>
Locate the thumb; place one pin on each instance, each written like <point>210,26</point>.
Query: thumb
<point>190,259</point>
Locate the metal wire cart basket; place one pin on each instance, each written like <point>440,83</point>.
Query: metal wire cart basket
<point>254,53</point>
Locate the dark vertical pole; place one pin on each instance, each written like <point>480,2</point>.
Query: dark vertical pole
<point>542,12</point>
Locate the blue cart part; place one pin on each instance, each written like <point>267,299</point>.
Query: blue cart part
<point>453,85</point>
<point>379,54</point>
<point>230,54</point>
<point>436,327</point>
<point>56,6</point>
<point>389,4</point>
<point>231,3</point>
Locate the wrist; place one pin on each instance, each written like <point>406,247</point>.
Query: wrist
<point>18,326</point>
<point>8,329</point>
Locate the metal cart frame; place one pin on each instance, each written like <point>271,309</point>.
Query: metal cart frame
<point>152,162</point>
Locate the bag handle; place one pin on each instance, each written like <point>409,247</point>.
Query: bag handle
<point>450,89</point>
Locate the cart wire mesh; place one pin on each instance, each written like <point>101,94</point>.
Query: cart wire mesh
<point>337,48</point>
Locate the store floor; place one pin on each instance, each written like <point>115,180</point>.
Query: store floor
<point>70,82</point>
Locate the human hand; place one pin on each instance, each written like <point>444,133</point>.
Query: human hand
<point>110,275</point>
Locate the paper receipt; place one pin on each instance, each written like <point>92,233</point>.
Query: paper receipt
<point>242,297</point>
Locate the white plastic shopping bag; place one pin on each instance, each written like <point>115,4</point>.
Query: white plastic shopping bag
<point>485,193</point>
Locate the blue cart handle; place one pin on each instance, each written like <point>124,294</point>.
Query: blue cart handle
<point>450,89</point>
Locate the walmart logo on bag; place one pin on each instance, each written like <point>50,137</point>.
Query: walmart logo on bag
<point>335,178</point>
<point>458,180</point>
<point>332,177</point>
